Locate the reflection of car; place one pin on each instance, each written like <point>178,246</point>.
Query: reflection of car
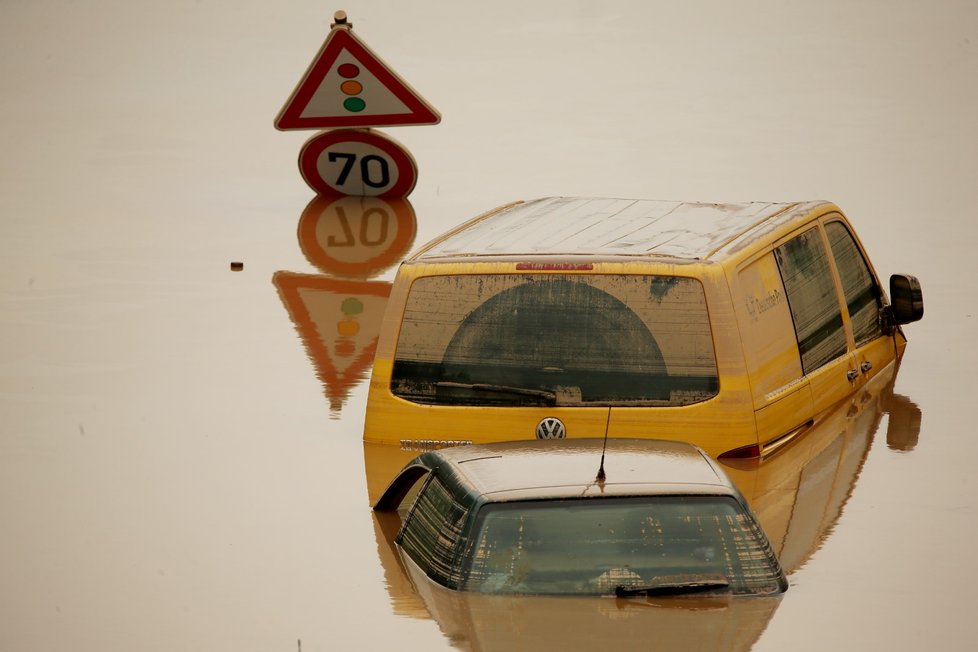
<point>534,518</point>
<point>575,317</point>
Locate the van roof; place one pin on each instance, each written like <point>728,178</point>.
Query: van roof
<point>612,227</point>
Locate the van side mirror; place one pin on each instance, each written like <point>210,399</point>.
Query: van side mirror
<point>906,299</point>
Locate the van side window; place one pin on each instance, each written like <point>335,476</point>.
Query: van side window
<point>812,299</point>
<point>770,347</point>
<point>862,292</point>
<point>430,535</point>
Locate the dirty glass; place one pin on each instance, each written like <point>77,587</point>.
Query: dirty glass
<point>568,340</point>
<point>862,292</point>
<point>812,299</point>
<point>594,546</point>
<point>431,532</point>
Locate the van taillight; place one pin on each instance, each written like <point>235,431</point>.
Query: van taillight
<point>742,453</point>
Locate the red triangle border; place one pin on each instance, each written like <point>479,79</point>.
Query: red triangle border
<point>338,40</point>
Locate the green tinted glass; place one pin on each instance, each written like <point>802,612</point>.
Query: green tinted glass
<point>597,545</point>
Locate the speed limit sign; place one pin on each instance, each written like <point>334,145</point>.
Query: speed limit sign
<point>357,162</point>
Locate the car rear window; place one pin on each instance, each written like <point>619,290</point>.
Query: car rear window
<point>551,339</point>
<point>594,546</point>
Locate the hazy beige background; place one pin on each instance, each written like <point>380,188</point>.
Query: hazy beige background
<point>171,474</point>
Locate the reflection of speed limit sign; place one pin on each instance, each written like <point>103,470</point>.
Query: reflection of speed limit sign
<point>357,162</point>
<point>356,236</point>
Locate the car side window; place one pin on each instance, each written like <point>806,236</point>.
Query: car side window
<point>863,297</point>
<point>812,299</point>
<point>431,534</point>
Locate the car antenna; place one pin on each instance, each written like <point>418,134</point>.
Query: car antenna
<point>601,475</point>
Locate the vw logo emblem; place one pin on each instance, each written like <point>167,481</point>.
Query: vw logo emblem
<point>551,428</point>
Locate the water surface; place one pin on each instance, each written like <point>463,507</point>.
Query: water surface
<point>181,464</point>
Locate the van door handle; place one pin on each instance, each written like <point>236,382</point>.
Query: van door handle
<point>865,366</point>
<point>852,374</point>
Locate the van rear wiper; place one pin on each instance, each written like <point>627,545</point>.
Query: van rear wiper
<point>549,398</point>
<point>673,587</point>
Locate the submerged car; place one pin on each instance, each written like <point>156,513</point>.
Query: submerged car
<point>575,317</point>
<point>586,517</point>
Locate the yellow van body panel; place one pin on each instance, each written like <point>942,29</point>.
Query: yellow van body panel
<point>723,422</point>
<point>763,399</point>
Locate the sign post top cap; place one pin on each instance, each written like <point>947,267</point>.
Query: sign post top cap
<point>340,20</point>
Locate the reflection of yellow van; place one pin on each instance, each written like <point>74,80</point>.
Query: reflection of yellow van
<point>730,325</point>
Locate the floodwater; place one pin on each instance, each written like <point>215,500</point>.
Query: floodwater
<point>181,464</point>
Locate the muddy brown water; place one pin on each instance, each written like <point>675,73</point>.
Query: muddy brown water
<point>181,465</point>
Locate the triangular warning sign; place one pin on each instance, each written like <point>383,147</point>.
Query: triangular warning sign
<point>347,85</point>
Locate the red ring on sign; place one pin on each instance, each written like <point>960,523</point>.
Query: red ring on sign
<point>407,171</point>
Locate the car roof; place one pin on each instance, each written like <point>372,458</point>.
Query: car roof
<point>535,469</point>
<point>611,227</point>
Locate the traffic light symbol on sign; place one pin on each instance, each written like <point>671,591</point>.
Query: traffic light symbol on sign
<point>351,88</point>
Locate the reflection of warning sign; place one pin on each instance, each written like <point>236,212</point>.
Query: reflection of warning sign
<point>356,236</point>
<point>339,322</point>
<point>347,85</point>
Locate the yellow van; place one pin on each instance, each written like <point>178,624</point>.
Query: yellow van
<point>733,326</point>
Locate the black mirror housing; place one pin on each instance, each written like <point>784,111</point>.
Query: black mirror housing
<point>906,299</point>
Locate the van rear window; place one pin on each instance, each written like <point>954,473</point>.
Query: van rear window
<point>555,339</point>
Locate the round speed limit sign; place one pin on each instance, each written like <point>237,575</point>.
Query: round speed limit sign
<point>357,162</point>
